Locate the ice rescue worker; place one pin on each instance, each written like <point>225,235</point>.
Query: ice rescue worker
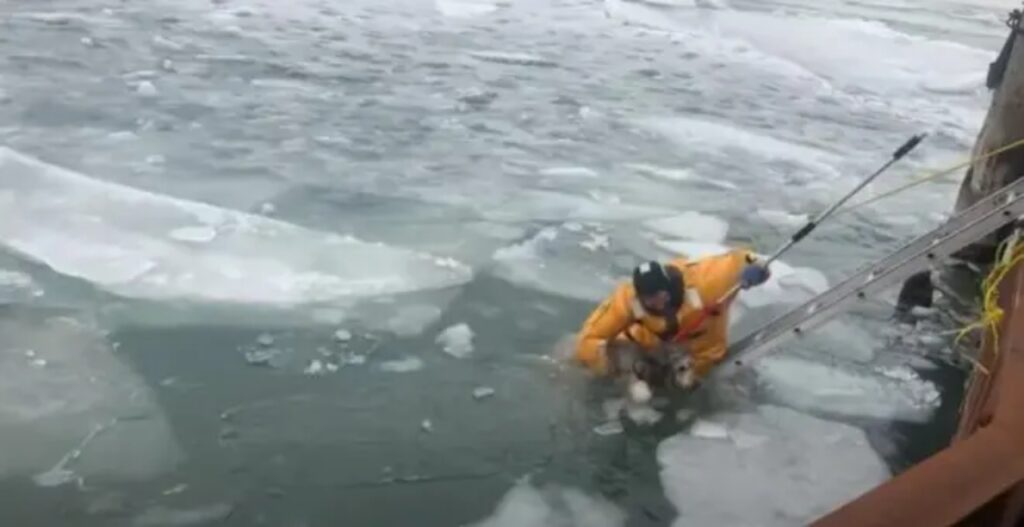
<point>677,301</point>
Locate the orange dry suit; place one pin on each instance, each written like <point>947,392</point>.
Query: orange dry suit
<point>705,323</point>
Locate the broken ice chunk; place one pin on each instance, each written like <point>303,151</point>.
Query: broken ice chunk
<point>900,373</point>
<point>177,489</point>
<point>569,172</point>
<point>457,340</point>
<point>596,242</point>
<point>708,430</point>
<point>643,414</point>
<point>427,426</point>
<point>610,428</point>
<point>265,340</point>
<point>519,59</point>
<point>260,357</point>
<point>691,226</point>
<point>449,263</point>
<point>343,335</point>
<point>355,359</point>
<point>405,365</point>
<point>782,219</point>
<point>147,90</point>
<point>315,367</point>
<point>483,392</point>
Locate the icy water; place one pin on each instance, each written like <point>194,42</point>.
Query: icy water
<point>312,263</point>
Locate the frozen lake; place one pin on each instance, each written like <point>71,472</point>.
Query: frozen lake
<point>312,263</point>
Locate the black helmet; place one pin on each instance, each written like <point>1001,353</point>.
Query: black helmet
<point>650,278</point>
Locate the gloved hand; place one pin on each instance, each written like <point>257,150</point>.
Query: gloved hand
<point>753,275</point>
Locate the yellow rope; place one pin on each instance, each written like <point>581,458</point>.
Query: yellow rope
<point>1010,254</point>
<point>935,175</point>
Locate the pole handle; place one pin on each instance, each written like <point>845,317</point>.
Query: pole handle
<point>908,146</point>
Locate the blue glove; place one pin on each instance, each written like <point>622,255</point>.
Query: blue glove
<point>754,275</point>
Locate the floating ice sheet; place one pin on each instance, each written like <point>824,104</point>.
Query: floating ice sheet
<point>848,390</point>
<point>691,226</point>
<point>776,467</point>
<point>560,262</point>
<point>908,64</point>
<point>724,138</point>
<point>526,506</point>
<point>139,244</point>
<point>85,414</point>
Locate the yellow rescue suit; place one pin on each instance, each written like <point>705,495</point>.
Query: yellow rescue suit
<point>621,316</point>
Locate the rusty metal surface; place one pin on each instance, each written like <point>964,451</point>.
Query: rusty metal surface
<point>980,475</point>
<point>1012,508</point>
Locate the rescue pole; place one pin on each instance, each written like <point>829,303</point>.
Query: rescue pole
<point>813,223</point>
<point>799,235</point>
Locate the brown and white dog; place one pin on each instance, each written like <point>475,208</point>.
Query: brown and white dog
<point>641,370</point>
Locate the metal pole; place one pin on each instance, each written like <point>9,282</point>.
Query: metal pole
<point>811,225</point>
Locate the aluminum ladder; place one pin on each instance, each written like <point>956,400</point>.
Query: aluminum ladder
<point>922,254</point>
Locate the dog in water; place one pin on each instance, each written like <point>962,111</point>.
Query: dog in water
<point>666,368</point>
